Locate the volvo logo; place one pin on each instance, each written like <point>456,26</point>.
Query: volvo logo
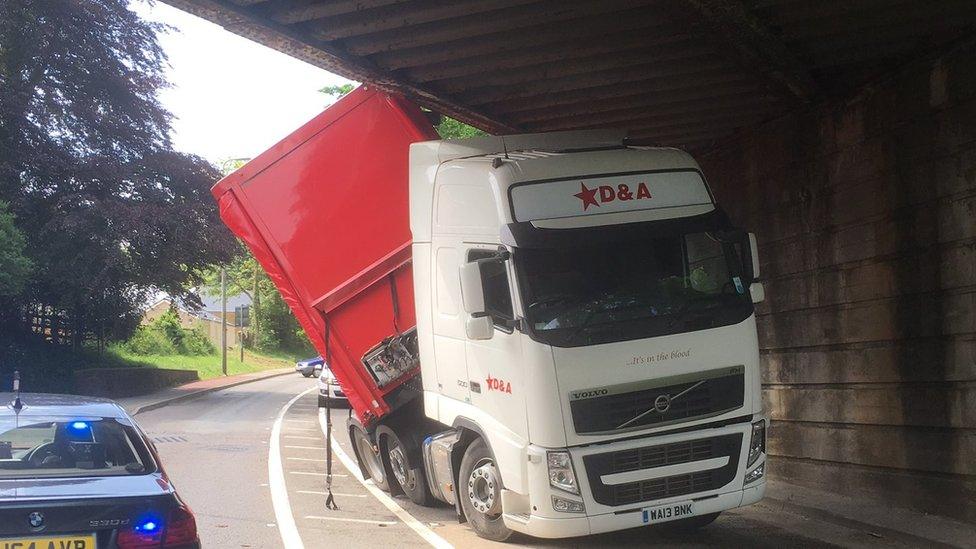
<point>589,394</point>
<point>662,403</point>
<point>35,519</point>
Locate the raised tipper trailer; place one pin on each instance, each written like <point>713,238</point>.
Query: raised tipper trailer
<point>554,333</point>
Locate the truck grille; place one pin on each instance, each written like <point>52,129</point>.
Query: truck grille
<point>607,413</point>
<point>650,457</point>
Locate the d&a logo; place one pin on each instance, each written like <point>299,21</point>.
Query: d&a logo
<point>495,384</point>
<point>606,193</point>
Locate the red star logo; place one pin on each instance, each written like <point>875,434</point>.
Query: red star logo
<point>588,196</point>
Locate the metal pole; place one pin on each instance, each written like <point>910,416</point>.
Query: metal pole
<point>223,320</point>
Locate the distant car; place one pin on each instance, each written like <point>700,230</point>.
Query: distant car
<point>78,472</point>
<point>310,366</point>
<point>329,386</point>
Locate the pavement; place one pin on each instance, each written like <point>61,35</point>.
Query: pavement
<point>250,462</point>
<point>143,403</point>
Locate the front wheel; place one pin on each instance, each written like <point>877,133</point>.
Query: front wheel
<point>480,491</point>
<point>412,481</point>
<point>369,459</point>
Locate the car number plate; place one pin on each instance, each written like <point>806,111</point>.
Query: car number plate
<point>69,541</point>
<point>672,511</point>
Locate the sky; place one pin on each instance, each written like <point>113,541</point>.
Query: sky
<point>232,98</point>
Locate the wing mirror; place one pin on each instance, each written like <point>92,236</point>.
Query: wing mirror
<point>754,256</point>
<point>478,325</point>
<point>472,290</point>
<point>756,289</point>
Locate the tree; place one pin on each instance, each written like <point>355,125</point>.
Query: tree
<point>336,92</point>
<point>14,265</point>
<point>109,211</point>
<point>450,128</point>
<point>447,128</point>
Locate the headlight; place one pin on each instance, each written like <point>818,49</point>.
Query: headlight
<point>757,444</point>
<point>561,472</point>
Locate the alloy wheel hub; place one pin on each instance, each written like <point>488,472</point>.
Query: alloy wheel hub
<point>483,489</point>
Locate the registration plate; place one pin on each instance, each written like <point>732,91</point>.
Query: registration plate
<point>72,541</point>
<point>672,511</point>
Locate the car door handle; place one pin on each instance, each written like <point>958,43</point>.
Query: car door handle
<point>475,387</point>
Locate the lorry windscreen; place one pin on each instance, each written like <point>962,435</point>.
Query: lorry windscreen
<point>631,289</point>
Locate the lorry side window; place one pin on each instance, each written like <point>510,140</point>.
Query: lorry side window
<point>498,297</point>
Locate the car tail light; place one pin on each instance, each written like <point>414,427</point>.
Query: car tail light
<point>178,529</point>
<point>182,528</point>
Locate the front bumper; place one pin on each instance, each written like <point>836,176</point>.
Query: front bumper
<point>332,391</point>
<point>616,507</point>
<point>547,527</point>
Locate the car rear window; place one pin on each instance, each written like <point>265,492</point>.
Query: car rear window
<point>71,447</point>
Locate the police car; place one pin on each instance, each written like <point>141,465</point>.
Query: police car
<point>78,472</point>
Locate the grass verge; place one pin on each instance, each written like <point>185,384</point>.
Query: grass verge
<point>208,366</point>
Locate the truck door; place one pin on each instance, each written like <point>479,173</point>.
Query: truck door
<point>495,366</point>
<point>448,322</point>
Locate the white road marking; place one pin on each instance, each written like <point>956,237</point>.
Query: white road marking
<point>420,528</point>
<point>307,447</point>
<point>314,474</point>
<point>302,437</point>
<point>344,519</point>
<point>314,493</point>
<point>307,459</point>
<point>276,478</point>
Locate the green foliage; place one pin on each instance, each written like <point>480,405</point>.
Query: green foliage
<point>279,329</point>
<point>450,128</point>
<point>14,266</point>
<point>272,322</point>
<point>336,92</point>
<point>149,341</point>
<point>48,368</point>
<point>166,336</point>
<point>109,210</point>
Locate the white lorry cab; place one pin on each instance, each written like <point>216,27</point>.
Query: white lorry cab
<point>586,335</point>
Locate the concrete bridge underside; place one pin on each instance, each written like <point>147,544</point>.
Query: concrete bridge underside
<point>843,133</point>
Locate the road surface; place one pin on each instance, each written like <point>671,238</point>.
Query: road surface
<point>216,449</point>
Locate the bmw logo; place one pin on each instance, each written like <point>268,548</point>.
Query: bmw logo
<point>35,519</point>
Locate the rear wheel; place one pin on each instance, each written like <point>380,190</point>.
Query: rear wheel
<point>480,490</point>
<point>412,480</point>
<point>369,459</point>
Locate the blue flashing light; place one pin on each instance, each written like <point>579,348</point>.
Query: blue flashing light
<point>148,526</point>
<point>79,425</point>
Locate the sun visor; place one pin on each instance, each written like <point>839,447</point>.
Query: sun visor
<point>604,194</point>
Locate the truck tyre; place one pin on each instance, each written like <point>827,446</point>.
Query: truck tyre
<point>480,492</point>
<point>688,525</point>
<point>411,480</point>
<point>369,460</point>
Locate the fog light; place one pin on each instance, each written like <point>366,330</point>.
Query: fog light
<point>567,505</point>
<point>756,473</point>
<point>757,444</point>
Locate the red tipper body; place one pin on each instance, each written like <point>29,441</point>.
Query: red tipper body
<point>325,212</point>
